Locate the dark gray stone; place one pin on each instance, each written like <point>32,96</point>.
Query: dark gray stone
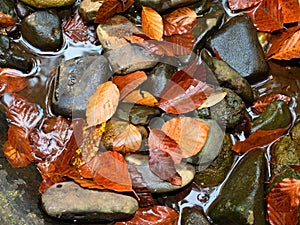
<point>193,216</point>
<point>75,81</point>
<point>42,29</point>
<point>238,45</point>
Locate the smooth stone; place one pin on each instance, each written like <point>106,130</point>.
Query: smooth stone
<point>163,5</point>
<point>42,29</point>
<point>67,200</point>
<point>22,10</point>
<point>193,216</point>
<point>111,33</point>
<point>76,81</point>
<point>238,45</point>
<point>153,182</point>
<point>48,3</point>
<point>241,200</point>
<point>129,58</point>
<point>88,9</point>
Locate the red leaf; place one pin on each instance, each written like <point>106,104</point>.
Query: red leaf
<point>11,80</point>
<point>155,215</point>
<point>261,103</point>
<point>6,20</point>
<point>182,44</point>
<point>179,21</point>
<point>242,4</point>
<point>162,165</point>
<point>152,23</point>
<point>259,138</point>
<point>283,202</point>
<point>159,140</point>
<point>184,96</point>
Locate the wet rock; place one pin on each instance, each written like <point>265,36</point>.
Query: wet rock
<point>193,216</point>
<point>241,200</point>
<point>153,182</point>
<point>130,58</point>
<point>163,5</point>
<point>216,172</point>
<point>88,9</point>
<point>201,6</point>
<point>67,200</point>
<point>246,55</point>
<point>295,133</point>
<point>48,3</point>
<point>136,114</point>
<point>42,29</point>
<point>229,112</point>
<point>111,33</point>
<point>276,115</point>
<point>13,56</point>
<point>75,81</point>
<point>22,10</point>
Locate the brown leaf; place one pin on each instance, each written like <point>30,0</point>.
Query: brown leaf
<point>290,10</point>
<point>162,165</point>
<point>259,138</point>
<point>110,7</point>
<point>242,4</point>
<point>11,80</point>
<point>283,202</point>
<point>129,82</point>
<point>6,20</point>
<point>184,96</point>
<point>159,140</point>
<point>179,21</point>
<point>152,23</point>
<point>261,104</point>
<point>155,215</point>
<point>128,141</point>
<point>191,134</point>
<point>182,44</point>
<point>102,104</point>
<point>141,97</point>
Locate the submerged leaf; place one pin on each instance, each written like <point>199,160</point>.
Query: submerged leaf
<point>242,4</point>
<point>152,23</point>
<point>261,104</point>
<point>11,80</point>
<point>213,99</point>
<point>141,97</point>
<point>181,44</point>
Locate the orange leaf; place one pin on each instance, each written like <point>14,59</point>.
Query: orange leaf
<point>242,4</point>
<point>155,215</point>
<point>142,98</point>
<point>181,44</point>
<point>290,10</point>
<point>259,138</point>
<point>179,21</point>
<point>15,158</point>
<point>6,20</point>
<point>129,82</point>
<point>261,103</point>
<point>128,141</point>
<point>152,23</point>
<point>11,80</point>
<point>189,133</point>
<point>283,202</point>
<point>102,104</point>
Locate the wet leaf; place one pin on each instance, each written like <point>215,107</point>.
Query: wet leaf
<point>159,140</point>
<point>141,97</point>
<point>259,138</point>
<point>129,82</point>
<point>184,96</point>
<point>181,44</point>
<point>162,165</point>
<point>191,134</point>
<point>102,104</point>
<point>179,21</point>
<point>290,10</point>
<point>110,7</point>
<point>213,99</point>
<point>6,20</point>
<point>152,23</point>
<point>128,141</point>
<point>242,4</point>
<point>261,104</point>
<point>11,80</point>
<point>155,215</point>
<point>283,202</point>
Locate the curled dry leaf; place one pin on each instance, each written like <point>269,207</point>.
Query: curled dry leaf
<point>191,134</point>
<point>152,23</point>
<point>102,104</point>
<point>142,98</point>
<point>6,20</point>
<point>162,165</point>
<point>11,80</point>
<point>179,21</point>
<point>261,104</point>
<point>283,202</point>
<point>159,140</point>
<point>129,82</point>
<point>155,215</point>
<point>181,44</point>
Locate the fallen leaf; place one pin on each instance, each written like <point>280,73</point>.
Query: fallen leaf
<point>129,82</point>
<point>181,44</point>
<point>242,4</point>
<point>159,140</point>
<point>191,134</point>
<point>152,23</point>
<point>162,165</point>
<point>102,104</point>
<point>261,104</point>
<point>259,138</point>
<point>11,80</point>
<point>141,97</point>
<point>290,10</point>
<point>179,21</point>
<point>155,215</point>
<point>213,99</point>
<point>6,20</point>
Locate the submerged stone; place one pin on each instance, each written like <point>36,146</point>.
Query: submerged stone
<point>193,216</point>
